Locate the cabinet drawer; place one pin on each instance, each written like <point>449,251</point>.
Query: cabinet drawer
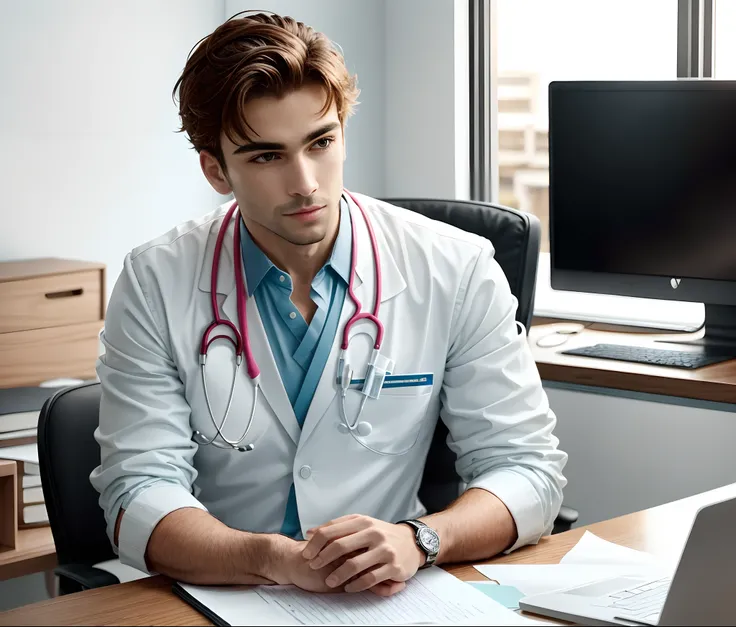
<point>30,357</point>
<point>50,301</point>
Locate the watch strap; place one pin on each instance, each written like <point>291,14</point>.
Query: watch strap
<point>416,524</point>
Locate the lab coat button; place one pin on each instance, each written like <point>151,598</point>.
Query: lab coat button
<point>305,472</point>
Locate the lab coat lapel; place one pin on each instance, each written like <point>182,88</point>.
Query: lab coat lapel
<point>364,287</point>
<point>271,384</point>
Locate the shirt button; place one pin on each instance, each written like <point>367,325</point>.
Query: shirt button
<point>292,315</point>
<point>282,278</point>
<point>305,472</point>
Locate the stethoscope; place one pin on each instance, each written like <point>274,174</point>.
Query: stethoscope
<point>378,367</point>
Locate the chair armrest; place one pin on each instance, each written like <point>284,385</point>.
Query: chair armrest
<point>83,577</point>
<point>565,519</point>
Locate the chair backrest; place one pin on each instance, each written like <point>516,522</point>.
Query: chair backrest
<point>67,454</point>
<point>516,237</point>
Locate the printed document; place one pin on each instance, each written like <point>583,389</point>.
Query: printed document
<point>432,596</point>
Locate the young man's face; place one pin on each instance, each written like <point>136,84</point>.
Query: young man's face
<point>293,164</point>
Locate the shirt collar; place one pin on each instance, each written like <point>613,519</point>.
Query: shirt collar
<point>255,261</point>
<point>257,264</point>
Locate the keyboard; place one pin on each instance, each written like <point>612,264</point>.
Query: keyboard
<point>654,356</point>
<point>643,603</point>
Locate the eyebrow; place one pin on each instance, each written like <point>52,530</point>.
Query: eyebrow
<point>255,146</point>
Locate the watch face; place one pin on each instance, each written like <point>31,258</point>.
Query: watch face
<point>429,539</point>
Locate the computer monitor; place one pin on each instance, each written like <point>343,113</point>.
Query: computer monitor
<point>643,192</point>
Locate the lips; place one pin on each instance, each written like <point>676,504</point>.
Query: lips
<point>306,210</point>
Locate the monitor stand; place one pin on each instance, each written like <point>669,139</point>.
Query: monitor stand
<point>720,331</point>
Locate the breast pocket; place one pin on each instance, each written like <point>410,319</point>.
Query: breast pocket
<point>396,418</point>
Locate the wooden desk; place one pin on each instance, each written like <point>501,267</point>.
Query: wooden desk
<point>715,383</point>
<point>660,530</point>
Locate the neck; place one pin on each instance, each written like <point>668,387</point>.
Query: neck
<point>301,263</point>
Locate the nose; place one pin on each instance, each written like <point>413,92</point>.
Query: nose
<point>302,178</point>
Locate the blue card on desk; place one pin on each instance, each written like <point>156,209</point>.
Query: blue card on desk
<point>508,596</point>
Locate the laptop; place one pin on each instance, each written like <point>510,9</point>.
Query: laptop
<point>702,590</point>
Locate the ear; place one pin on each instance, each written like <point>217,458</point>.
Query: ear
<point>214,173</point>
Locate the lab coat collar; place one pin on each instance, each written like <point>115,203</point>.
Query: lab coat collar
<point>271,384</point>
<point>392,280</point>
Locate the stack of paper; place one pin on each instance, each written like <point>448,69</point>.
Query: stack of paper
<point>589,560</point>
<point>31,506</point>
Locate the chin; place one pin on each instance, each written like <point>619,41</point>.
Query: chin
<point>305,237</point>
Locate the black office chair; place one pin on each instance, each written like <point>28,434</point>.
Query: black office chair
<point>67,454</point>
<point>516,236</point>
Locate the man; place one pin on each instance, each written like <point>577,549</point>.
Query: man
<point>215,474</point>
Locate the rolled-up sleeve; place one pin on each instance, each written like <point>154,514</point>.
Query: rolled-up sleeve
<point>497,413</point>
<point>146,450</point>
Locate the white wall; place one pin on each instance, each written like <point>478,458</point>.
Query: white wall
<point>626,455</point>
<point>90,165</point>
<point>357,26</point>
<point>427,98</point>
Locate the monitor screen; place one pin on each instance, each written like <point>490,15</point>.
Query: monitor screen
<point>643,178</point>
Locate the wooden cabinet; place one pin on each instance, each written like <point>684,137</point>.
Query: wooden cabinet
<point>51,313</point>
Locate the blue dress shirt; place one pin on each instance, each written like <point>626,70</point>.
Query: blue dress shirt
<point>299,349</point>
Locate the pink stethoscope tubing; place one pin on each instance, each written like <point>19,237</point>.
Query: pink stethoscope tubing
<point>240,339</point>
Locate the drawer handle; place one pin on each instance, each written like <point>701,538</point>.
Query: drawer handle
<point>65,294</point>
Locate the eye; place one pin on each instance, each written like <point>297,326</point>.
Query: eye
<point>266,157</point>
<point>324,143</point>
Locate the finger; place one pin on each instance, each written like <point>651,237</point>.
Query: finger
<point>325,535</point>
<point>356,566</point>
<point>371,579</point>
<point>311,530</point>
<point>342,547</point>
<point>387,588</point>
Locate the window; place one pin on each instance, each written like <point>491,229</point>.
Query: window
<point>540,41</point>
<point>725,43</point>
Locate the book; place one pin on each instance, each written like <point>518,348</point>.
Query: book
<point>35,514</point>
<point>31,481</point>
<point>20,409</point>
<point>29,468</point>
<point>32,495</point>
<point>19,421</point>
<point>17,438</point>
<point>24,399</point>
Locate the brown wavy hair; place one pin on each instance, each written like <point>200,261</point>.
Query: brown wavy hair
<point>252,56</point>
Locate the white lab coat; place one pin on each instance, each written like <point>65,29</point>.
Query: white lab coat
<point>447,310</point>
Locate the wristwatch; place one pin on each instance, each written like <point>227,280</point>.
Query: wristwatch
<point>427,540</point>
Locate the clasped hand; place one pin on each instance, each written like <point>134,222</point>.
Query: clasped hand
<point>356,553</point>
